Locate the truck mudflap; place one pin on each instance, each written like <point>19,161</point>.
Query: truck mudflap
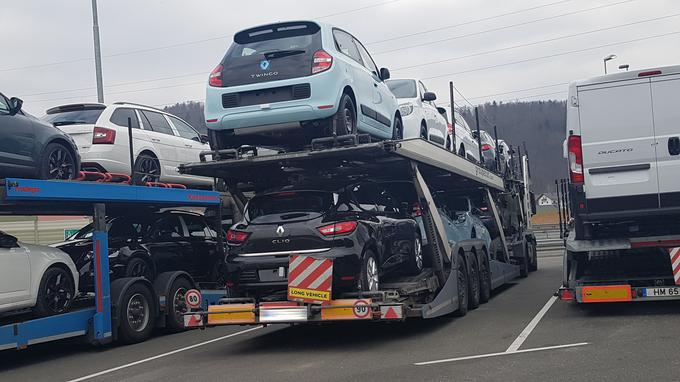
<point>236,312</point>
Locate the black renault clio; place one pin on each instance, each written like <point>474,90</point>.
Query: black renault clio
<point>362,227</point>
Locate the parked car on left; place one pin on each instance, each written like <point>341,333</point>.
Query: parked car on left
<point>36,277</point>
<point>31,148</point>
<point>161,141</point>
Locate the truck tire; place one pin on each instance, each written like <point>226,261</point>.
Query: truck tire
<point>137,314</point>
<point>474,280</point>
<point>533,255</point>
<point>177,306</point>
<point>463,285</point>
<point>524,263</point>
<point>485,279</point>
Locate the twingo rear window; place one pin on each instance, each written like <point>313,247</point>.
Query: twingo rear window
<point>270,53</point>
<point>289,205</point>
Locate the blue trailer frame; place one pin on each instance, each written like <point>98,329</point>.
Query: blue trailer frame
<point>47,197</point>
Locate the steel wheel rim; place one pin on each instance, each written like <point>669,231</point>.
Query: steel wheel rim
<point>419,253</point>
<point>58,292</point>
<point>349,119</point>
<point>60,164</point>
<point>137,312</point>
<point>372,274</point>
<point>179,304</point>
<point>149,169</point>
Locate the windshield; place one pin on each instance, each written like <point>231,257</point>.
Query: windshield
<point>402,88</point>
<point>73,117</point>
<point>289,206</point>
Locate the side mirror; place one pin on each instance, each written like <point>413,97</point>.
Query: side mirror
<point>205,139</point>
<point>384,74</point>
<point>15,105</point>
<point>8,241</point>
<point>429,96</point>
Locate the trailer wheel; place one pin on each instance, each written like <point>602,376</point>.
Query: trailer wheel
<point>463,285</point>
<point>533,255</point>
<point>524,263</point>
<point>475,283</point>
<point>137,314</point>
<point>177,305</point>
<point>485,279</point>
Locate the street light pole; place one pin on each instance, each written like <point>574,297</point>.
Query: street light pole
<point>97,53</point>
<point>610,57</point>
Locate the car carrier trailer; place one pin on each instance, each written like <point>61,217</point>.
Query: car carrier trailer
<point>460,275</point>
<point>116,308</point>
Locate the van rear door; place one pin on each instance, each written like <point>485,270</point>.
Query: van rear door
<point>665,93</point>
<point>619,151</point>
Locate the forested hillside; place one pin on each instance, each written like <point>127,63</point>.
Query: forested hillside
<point>540,125</point>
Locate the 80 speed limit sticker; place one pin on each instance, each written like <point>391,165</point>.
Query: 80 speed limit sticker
<point>193,298</point>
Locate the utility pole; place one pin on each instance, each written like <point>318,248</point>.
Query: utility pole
<point>454,147</point>
<point>97,53</point>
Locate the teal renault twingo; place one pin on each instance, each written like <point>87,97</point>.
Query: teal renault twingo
<point>280,85</point>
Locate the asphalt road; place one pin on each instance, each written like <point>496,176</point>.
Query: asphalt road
<point>568,343</point>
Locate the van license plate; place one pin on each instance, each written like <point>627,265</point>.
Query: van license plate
<point>662,292</point>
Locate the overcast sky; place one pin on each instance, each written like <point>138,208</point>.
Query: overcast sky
<point>160,52</point>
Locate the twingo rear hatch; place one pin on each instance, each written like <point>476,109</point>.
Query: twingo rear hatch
<point>287,221</point>
<point>270,53</point>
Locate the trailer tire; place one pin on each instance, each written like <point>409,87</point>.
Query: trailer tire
<point>176,305</point>
<point>524,263</point>
<point>463,287</point>
<point>137,314</point>
<point>475,283</point>
<point>485,279</point>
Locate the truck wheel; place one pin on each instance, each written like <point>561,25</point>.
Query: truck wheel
<point>485,279</point>
<point>415,260</point>
<point>462,287</point>
<point>524,263</point>
<point>369,279</point>
<point>177,306</point>
<point>533,255</point>
<point>137,314</point>
<point>475,284</point>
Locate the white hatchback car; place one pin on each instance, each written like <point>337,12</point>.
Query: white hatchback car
<point>466,145</point>
<point>161,141</point>
<point>35,276</point>
<point>419,114</point>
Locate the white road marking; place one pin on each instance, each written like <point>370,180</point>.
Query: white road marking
<point>532,325</point>
<point>108,371</point>
<point>499,354</point>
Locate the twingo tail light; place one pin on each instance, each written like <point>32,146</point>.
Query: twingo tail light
<point>215,78</point>
<point>575,159</point>
<point>322,61</point>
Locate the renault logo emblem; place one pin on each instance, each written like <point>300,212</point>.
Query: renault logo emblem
<point>264,64</point>
<point>280,231</point>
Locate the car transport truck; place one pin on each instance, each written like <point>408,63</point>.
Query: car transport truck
<point>457,276</point>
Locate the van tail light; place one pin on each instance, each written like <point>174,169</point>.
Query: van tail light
<point>102,135</point>
<point>215,78</point>
<point>322,61</point>
<point>486,146</point>
<point>237,237</point>
<point>575,159</point>
<point>338,228</point>
<point>416,210</point>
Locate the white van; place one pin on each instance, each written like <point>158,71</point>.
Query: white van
<point>623,146</point>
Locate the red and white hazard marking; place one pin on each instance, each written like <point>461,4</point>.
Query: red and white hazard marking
<point>674,253</point>
<point>310,273</point>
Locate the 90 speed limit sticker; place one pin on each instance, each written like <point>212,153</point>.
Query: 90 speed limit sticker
<point>193,298</point>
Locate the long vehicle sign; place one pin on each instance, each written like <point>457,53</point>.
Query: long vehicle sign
<point>310,280</point>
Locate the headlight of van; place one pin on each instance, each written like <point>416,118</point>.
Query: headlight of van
<point>406,109</point>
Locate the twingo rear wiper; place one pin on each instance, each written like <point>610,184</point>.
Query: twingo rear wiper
<point>63,123</point>
<point>282,53</point>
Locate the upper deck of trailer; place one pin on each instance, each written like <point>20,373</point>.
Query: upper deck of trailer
<point>389,160</point>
